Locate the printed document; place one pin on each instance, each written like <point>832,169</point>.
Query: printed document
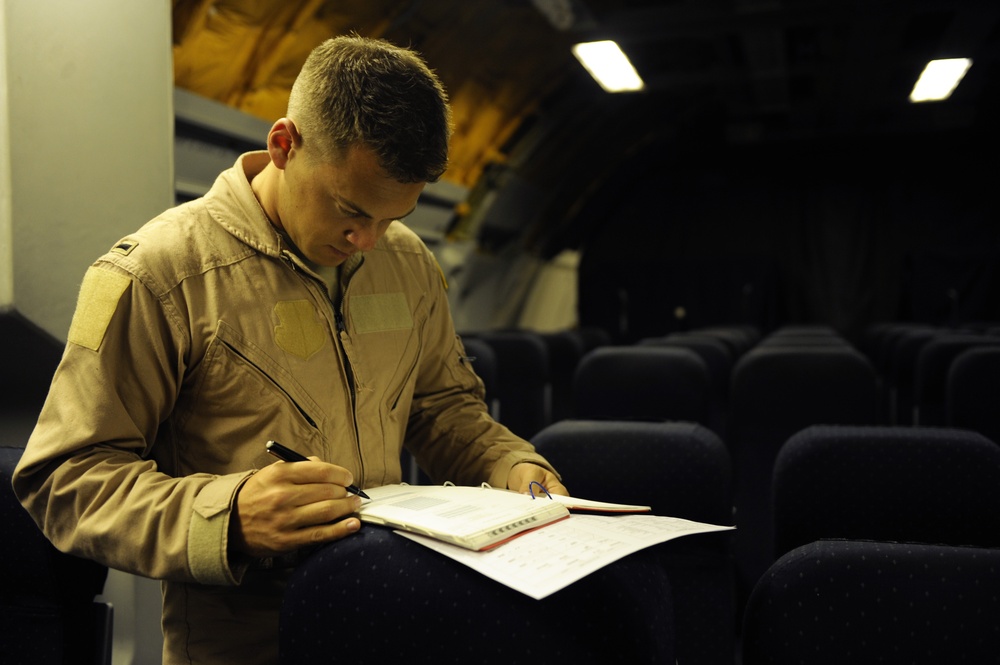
<point>540,562</point>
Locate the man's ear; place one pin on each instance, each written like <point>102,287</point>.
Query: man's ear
<point>282,140</point>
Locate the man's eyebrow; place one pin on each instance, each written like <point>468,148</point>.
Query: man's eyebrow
<point>352,207</point>
<point>355,208</point>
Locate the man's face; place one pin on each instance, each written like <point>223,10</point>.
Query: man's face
<point>334,208</point>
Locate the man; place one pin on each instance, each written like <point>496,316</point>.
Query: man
<point>289,303</point>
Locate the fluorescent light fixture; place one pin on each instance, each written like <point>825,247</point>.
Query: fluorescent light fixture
<point>609,65</point>
<point>939,79</point>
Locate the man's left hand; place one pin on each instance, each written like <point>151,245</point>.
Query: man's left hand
<point>522,475</point>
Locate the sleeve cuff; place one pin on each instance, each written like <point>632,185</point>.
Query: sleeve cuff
<point>208,533</point>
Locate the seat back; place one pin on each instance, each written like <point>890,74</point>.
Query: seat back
<point>47,608</point>
<point>484,364</point>
<point>931,373</point>
<point>565,348</point>
<point>738,338</point>
<point>775,392</point>
<point>522,379</point>
<point>642,383</point>
<point>781,390</point>
<point>380,598</point>
<point>887,483</point>
<point>681,470</point>
<point>592,337</point>
<point>863,602</point>
<point>972,388</point>
<point>900,372</point>
<point>802,337</point>
<point>718,358</point>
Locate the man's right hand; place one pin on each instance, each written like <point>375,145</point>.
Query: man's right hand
<point>288,505</point>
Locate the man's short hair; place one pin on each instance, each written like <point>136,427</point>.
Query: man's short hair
<point>357,90</point>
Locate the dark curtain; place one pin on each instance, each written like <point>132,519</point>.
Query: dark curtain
<point>843,233</point>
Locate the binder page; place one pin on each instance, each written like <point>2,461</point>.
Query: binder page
<point>474,517</point>
<point>543,561</point>
<point>576,503</point>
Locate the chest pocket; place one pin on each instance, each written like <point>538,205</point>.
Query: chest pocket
<point>243,398</point>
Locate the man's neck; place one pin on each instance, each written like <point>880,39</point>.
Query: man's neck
<point>265,188</point>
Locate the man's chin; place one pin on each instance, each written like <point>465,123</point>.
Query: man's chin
<point>329,257</point>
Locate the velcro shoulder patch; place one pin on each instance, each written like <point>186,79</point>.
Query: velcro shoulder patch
<point>99,295</point>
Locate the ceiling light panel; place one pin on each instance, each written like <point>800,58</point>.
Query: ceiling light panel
<point>609,66</point>
<point>939,79</point>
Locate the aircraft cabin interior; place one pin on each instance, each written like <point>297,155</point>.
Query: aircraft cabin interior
<point>756,284</point>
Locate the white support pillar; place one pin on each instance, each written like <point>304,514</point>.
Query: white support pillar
<point>86,141</point>
<point>86,156</point>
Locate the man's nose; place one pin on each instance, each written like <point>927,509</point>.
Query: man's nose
<point>363,236</point>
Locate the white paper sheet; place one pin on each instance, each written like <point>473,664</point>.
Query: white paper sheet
<point>543,561</point>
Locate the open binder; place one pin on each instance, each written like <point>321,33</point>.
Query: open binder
<point>476,518</point>
<point>530,543</point>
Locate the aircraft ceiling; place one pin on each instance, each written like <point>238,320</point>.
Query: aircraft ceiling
<point>728,71</point>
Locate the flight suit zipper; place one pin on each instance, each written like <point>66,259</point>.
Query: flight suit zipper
<point>341,331</point>
<point>348,368</point>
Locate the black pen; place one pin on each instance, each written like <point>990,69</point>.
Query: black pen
<point>288,455</point>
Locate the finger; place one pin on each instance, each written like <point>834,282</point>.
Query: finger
<point>322,512</point>
<point>301,495</point>
<point>298,527</point>
<point>329,532</point>
<point>546,479</point>
<point>556,487</point>
<point>312,472</point>
<point>551,483</point>
<point>289,541</point>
